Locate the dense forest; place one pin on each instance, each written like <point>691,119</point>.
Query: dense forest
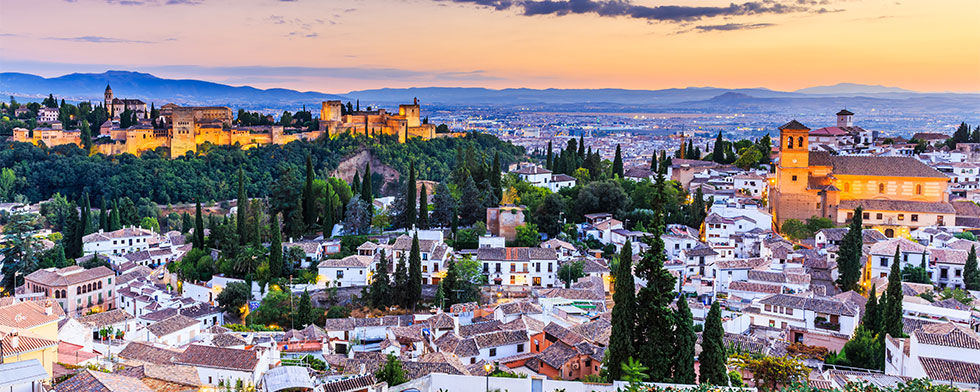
<point>211,174</point>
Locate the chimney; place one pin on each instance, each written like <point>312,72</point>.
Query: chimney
<point>14,339</point>
<point>48,308</point>
<point>363,368</point>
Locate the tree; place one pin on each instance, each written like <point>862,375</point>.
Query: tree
<point>305,314</point>
<point>381,284</point>
<point>115,222</point>
<point>448,284</point>
<point>242,206</point>
<point>275,248</point>
<point>684,342</point>
<point>713,357</point>
<point>286,198</point>
<point>621,338</point>
<point>548,161</point>
<point>571,271</point>
<point>748,157</point>
<point>655,324</point>
<point>865,350</point>
<point>495,177</point>
<point>527,235</point>
<point>872,313</point>
<point>415,273</point>
<point>234,297</point>
<point>103,216</point>
<point>717,152</point>
<point>355,184</point>
<point>444,205</point>
<point>358,218</point>
<point>367,192</point>
<point>198,227</point>
<point>548,215</point>
<point>410,194</point>
<point>391,372</point>
<point>330,202</point>
<point>471,206</point>
<point>849,254</point>
<point>971,276</point>
<point>772,371</point>
<point>22,250</point>
<point>309,202</point>
<point>634,372</point>
<point>795,229</point>
<point>917,274</point>
<point>617,168</point>
<point>892,320</point>
<point>423,221</point>
<point>400,294</point>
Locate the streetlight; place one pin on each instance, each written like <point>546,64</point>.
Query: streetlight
<point>488,367</point>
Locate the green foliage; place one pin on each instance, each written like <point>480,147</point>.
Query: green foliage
<point>305,313</point>
<point>414,288</point>
<point>892,319</point>
<point>275,309</point>
<point>971,275</point>
<point>571,271</point>
<point>196,265</point>
<point>527,235</point>
<point>381,285</point>
<point>233,297</point>
<point>965,235</point>
<point>275,248</point>
<point>798,230</point>
<point>684,342</point>
<point>772,371</point>
<point>864,350</point>
<point>621,338</point>
<point>712,359</point>
<point>391,372</point>
<point>849,255</point>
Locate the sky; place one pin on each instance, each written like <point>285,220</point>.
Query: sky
<point>339,46</point>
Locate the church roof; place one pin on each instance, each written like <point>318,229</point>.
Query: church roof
<point>845,112</point>
<point>794,125</point>
<point>873,165</point>
<point>897,205</point>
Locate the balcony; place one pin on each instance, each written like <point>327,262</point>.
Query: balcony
<point>824,324</point>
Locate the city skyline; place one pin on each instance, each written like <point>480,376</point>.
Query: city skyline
<point>337,47</point>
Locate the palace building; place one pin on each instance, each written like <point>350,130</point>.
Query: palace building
<point>407,123</point>
<point>116,106</point>
<point>896,193</point>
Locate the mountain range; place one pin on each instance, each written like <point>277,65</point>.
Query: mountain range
<point>128,84</point>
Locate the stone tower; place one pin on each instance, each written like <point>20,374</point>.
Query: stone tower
<point>791,198</point>
<point>183,138</point>
<point>108,99</point>
<point>845,118</point>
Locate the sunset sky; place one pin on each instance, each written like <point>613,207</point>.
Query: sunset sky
<point>338,46</point>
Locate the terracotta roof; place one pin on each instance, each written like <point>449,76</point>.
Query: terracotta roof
<point>106,318</point>
<point>897,205</point>
<point>350,384</point>
<point>948,335</point>
<point>532,170</point>
<point>793,125</point>
<point>218,357</point>
<point>882,166</point>
<point>500,338</point>
<point>26,342</point>
<point>520,307</point>
<point>563,334</point>
<point>479,328</point>
<point>172,324</point>
<point>198,309</point>
<point>146,352</point>
<point>227,340</point>
<point>341,324</point>
<point>352,261</point>
<point>951,303</point>
<point>182,375</point>
<point>27,314</point>
<point>516,254</point>
<point>596,331</point>
<point>93,381</point>
<point>751,263</point>
<point>948,256</point>
<point>700,250</point>
<point>755,287</point>
<point>818,304</point>
<point>441,321</point>
<point>888,247</point>
<point>949,370</point>
<point>69,275</point>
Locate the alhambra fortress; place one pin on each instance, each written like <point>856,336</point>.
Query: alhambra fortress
<point>183,128</point>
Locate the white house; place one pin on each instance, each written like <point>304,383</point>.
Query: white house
<point>883,253</point>
<point>948,267</point>
<point>751,184</point>
<point>174,331</point>
<point>349,271</point>
<point>217,364</point>
<point>947,353</point>
<point>126,240</point>
<point>539,176</point>
<point>823,321</point>
<point>537,267</point>
<point>699,260</point>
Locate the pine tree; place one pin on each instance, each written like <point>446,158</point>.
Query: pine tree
<point>549,162</point>
<point>622,337</point>
<point>275,247</point>
<point>410,194</point>
<point>400,294</point>
<point>423,221</point>
<point>198,227</point>
<point>103,216</point>
<point>871,321</point>
<point>684,341</point>
<point>654,317</point>
<point>309,212</point>
<point>971,276</point>
<point>849,254</point>
<point>617,166</point>
<point>73,227</point>
<point>304,311</point>
<point>242,206</point>
<point>713,356</point>
<point>60,261</point>
<point>415,272</point>
<point>381,284</point>
<point>367,193</point>
<point>891,323</point>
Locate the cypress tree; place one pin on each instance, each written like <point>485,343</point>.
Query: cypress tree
<point>849,254</point>
<point>581,148</point>
<point>684,341</point>
<point>103,216</point>
<point>242,214</point>
<point>871,321</point>
<point>892,320</point>
<point>304,311</point>
<point>654,334</point>
<point>713,356</point>
<point>653,162</point>
<point>198,227</point>
<point>114,219</point>
<point>718,151</point>
<point>415,272</point>
<point>400,295</point>
<point>355,185</point>
<point>449,284</point>
<point>367,194</point>
<point>971,276</point>
<point>495,180</point>
<point>309,212</point>
<point>86,214</point>
<point>328,211</point>
<point>275,248</point>
<point>60,261</point>
<point>548,162</point>
<point>185,223</point>
<point>423,221</point>
<point>617,166</point>
<point>73,227</point>
<point>381,284</point>
<point>621,337</point>
<point>410,194</point>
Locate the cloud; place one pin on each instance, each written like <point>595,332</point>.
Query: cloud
<point>733,26</point>
<point>663,13</point>
<point>150,2</point>
<point>94,39</point>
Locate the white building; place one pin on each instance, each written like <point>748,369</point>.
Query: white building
<point>217,364</point>
<point>539,176</point>
<point>536,267</point>
<point>883,253</point>
<point>119,242</point>
<point>946,353</point>
<point>350,271</point>
<point>174,331</point>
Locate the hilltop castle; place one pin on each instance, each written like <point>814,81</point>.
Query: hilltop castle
<point>183,128</point>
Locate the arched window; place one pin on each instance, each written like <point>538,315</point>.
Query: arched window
<point>789,142</point>
<point>800,142</point>
<point>881,187</point>
<point>64,294</point>
<point>100,285</point>
<point>918,189</point>
<point>57,293</point>
<point>78,290</point>
<point>847,187</point>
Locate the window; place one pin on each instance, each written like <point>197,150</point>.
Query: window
<point>800,140</point>
<point>768,308</point>
<point>866,215</point>
<point>493,352</point>
<point>425,268</point>
<point>340,274</point>
<point>789,142</point>
<point>901,216</point>
<point>881,187</point>
<point>915,217</point>
<point>883,262</point>
<point>957,273</point>
<point>794,178</point>
<point>435,267</point>
<point>847,187</point>
<point>878,216</point>
<point>918,189</point>
<point>520,348</point>
<point>486,267</point>
<point>549,267</point>
<point>850,215</point>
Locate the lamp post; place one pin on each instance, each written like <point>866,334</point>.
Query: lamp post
<point>488,367</point>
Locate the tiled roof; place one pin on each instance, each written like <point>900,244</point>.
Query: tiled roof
<point>882,166</point>
<point>94,381</point>
<point>228,340</point>
<point>479,328</point>
<point>524,323</point>
<point>700,250</point>
<point>172,324</point>
<point>951,303</point>
<point>563,334</point>
<point>106,318</point>
<point>146,352</point>
<point>350,384</point>
<point>741,263</point>
<point>27,314</point>
<point>69,275</point>
<point>793,125</point>
<point>352,261</point>
<point>948,335</point>
<point>26,342</point>
<point>755,287</point>
<point>500,338</point>
<point>183,375</point>
<point>341,324</point>
<point>556,355</point>
<point>218,357</point>
<point>441,321</point>
<point>897,205</point>
<point>948,370</point>
<point>520,307</point>
<point>888,247</point>
<point>828,305</point>
<point>948,256</point>
<point>767,276</point>
<point>198,309</point>
<point>516,254</point>
<point>532,169</point>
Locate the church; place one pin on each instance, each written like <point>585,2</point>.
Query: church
<point>896,193</point>
<point>116,106</point>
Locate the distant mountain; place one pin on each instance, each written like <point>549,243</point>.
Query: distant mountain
<point>126,84</point>
<point>552,96</point>
<point>853,88</point>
